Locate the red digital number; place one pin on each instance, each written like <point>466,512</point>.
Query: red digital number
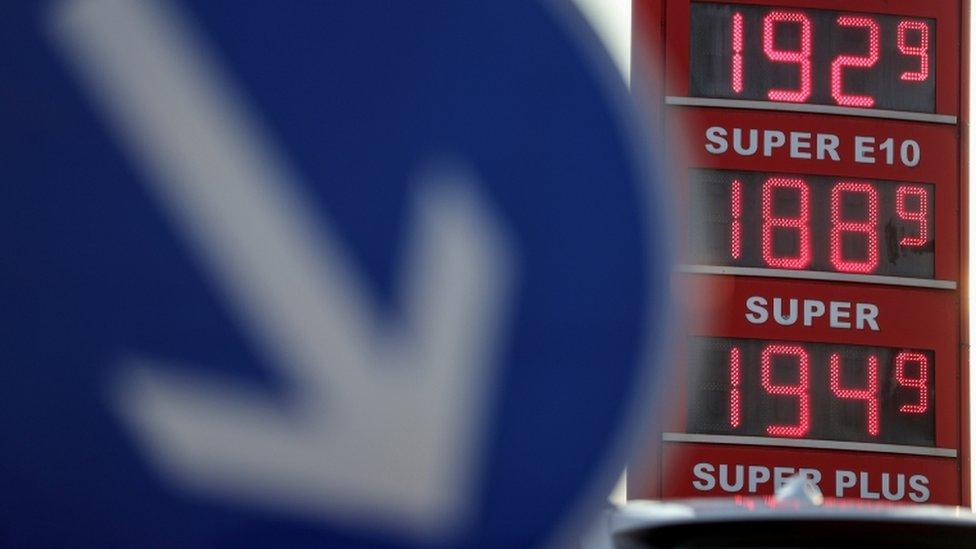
<point>772,222</point>
<point>737,44</point>
<point>800,57</point>
<point>920,383</point>
<point>920,216</point>
<point>859,61</point>
<point>801,390</point>
<point>839,226</point>
<point>735,229</point>
<point>913,38</point>
<point>921,50</point>
<point>869,394</point>
<point>735,394</point>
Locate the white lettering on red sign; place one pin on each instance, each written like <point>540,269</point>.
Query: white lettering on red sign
<point>865,149</point>
<point>751,479</point>
<point>838,314</point>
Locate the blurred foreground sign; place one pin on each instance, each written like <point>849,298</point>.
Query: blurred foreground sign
<point>327,273</point>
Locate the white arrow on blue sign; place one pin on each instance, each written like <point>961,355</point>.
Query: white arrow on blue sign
<point>383,424</point>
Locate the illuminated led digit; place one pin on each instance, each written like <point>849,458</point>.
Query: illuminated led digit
<point>919,216</point>
<point>860,61</point>
<point>737,41</point>
<point>869,394</point>
<point>839,226</point>
<point>771,222</point>
<point>800,390</point>
<point>735,394</point>
<point>919,383</point>
<point>921,50</point>
<point>735,230</point>
<point>801,57</point>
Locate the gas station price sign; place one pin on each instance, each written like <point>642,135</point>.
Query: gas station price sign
<point>765,53</point>
<point>815,223</point>
<point>823,221</point>
<point>784,389</point>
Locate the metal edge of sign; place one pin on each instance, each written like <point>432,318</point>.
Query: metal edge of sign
<point>811,444</point>
<point>806,108</point>
<point>964,373</point>
<point>820,275</point>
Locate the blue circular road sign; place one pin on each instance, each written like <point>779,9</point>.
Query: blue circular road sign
<point>317,273</point>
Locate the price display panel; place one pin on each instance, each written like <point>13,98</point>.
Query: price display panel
<point>784,389</point>
<point>807,222</point>
<point>822,223</point>
<point>771,53</point>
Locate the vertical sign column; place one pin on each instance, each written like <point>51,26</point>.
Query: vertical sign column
<point>822,199</point>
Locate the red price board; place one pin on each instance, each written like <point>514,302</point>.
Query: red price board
<point>823,206</point>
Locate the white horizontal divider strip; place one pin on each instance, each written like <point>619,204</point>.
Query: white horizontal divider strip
<point>820,275</point>
<point>804,443</point>
<point>804,107</point>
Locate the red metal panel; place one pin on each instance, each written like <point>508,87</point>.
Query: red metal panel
<point>743,471</point>
<point>647,81</point>
<point>909,317</point>
<point>938,162</point>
